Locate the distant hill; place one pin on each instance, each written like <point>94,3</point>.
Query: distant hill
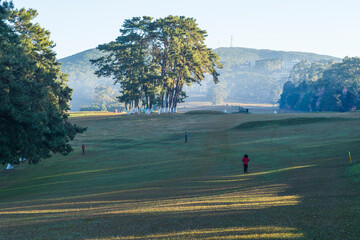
<point>250,75</point>
<point>82,78</point>
<point>240,55</point>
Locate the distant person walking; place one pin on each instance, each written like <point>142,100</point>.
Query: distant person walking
<point>245,161</point>
<point>186,137</point>
<point>83,148</point>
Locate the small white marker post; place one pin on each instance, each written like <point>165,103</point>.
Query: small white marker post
<point>9,166</point>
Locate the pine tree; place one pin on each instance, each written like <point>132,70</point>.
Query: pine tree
<point>153,59</point>
<point>33,92</point>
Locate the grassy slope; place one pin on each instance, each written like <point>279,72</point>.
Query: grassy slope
<point>354,171</point>
<point>138,180</point>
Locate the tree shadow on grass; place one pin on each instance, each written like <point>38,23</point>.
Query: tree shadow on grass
<point>217,212</point>
<point>306,204</point>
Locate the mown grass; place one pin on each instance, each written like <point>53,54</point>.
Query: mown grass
<point>92,113</point>
<point>287,122</point>
<point>354,171</point>
<point>204,112</point>
<point>139,180</point>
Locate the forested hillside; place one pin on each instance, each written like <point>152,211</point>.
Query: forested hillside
<point>323,87</point>
<point>256,76</point>
<point>249,75</point>
<point>82,78</point>
<point>236,55</point>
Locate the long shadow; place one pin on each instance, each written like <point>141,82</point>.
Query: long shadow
<point>315,216</point>
<point>221,220</point>
<point>323,206</point>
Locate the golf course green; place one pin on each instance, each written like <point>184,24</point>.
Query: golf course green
<point>138,179</point>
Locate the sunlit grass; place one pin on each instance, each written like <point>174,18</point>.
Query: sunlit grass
<point>263,232</point>
<point>257,198</point>
<point>274,171</point>
<point>139,180</point>
<point>94,113</point>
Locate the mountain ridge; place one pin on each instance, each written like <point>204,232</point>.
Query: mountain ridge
<point>234,77</point>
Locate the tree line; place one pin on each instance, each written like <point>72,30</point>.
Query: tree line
<point>153,59</point>
<point>323,87</point>
<point>34,96</point>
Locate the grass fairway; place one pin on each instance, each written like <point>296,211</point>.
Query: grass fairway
<point>139,180</point>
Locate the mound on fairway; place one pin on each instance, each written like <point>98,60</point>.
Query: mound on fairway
<point>139,180</point>
<point>286,122</point>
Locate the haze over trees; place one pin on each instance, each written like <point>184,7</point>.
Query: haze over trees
<point>323,87</point>
<point>82,78</point>
<point>241,79</point>
<point>33,92</point>
<point>105,99</point>
<point>153,59</point>
<point>256,76</point>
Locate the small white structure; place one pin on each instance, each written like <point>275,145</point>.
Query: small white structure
<point>290,64</point>
<point>225,111</point>
<point>275,112</point>
<point>9,167</point>
<point>22,159</point>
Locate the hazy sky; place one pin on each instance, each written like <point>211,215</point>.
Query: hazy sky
<point>320,26</point>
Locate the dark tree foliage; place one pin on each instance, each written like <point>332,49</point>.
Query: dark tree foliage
<point>323,87</point>
<point>33,92</point>
<point>153,59</point>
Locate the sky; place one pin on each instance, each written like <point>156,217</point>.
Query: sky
<point>328,27</point>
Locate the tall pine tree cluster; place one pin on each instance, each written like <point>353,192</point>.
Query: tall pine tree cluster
<point>34,96</point>
<point>153,59</point>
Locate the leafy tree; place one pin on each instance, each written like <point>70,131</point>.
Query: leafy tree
<point>184,58</point>
<point>82,79</point>
<point>90,108</point>
<point>153,59</point>
<point>104,95</point>
<point>217,93</point>
<point>128,61</point>
<point>343,81</point>
<point>33,92</point>
<point>105,99</point>
<point>307,72</point>
<point>321,87</point>
<point>274,93</point>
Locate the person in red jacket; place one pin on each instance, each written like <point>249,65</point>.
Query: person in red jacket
<point>245,160</point>
<point>83,148</point>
